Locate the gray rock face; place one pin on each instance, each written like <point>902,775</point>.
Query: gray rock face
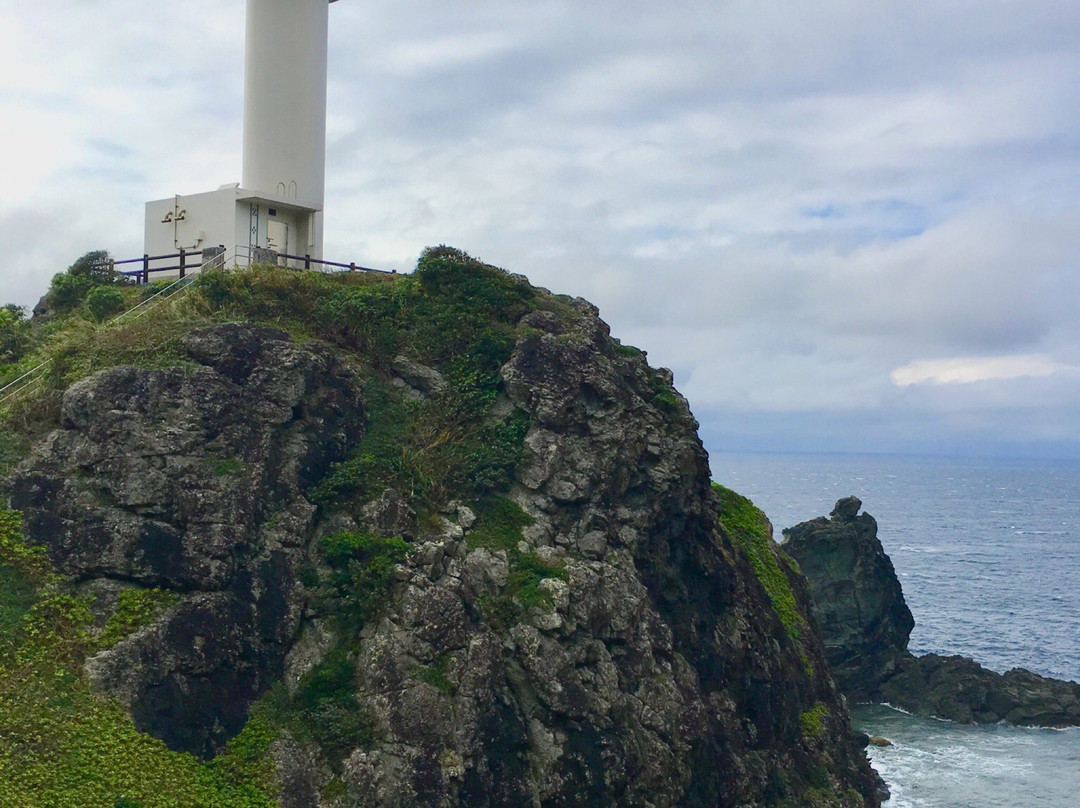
<point>192,479</point>
<point>866,624</point>
<point>655,674</point>
<point>858,602</point>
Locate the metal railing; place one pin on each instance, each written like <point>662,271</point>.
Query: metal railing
<point>181,262</point>
<point>142,275</point>
<point>32,377</point>
<point>36,375</point>
<point>308,263</point>
<point>237,257</point>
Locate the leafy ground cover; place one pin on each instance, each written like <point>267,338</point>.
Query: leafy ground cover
<point>62,745</point>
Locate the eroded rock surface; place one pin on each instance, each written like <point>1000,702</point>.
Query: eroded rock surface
<point>859,605</point>
<point>655,674</point>
<point>192,479</point>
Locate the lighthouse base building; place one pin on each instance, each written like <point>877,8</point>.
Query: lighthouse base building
<point>231,216</point>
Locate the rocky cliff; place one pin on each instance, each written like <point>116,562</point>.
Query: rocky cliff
<point>865,623</point>
<point>441,542</point>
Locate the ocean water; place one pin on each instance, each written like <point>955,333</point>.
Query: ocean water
<point>988,555</point>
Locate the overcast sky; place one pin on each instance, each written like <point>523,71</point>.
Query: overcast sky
<point>846,226</point>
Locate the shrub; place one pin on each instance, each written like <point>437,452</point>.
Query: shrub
<point>97,268</point>
<point>14,334</point>
<point>69,289</point>
<point>361,571</point>
<point>104,302</point>
<point>812,722</point>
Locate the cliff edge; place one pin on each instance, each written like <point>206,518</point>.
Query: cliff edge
<point>433,540</point>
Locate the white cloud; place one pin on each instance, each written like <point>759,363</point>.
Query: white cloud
<point>967,370</point>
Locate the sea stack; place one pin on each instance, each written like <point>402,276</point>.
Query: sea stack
<point>858,602</point>
<point>865,623</point>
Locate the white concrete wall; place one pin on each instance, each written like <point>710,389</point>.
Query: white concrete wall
<point>209,219</point>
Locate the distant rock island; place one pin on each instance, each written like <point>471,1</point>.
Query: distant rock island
<point>865,623</point>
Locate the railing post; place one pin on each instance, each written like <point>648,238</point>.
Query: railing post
<point>183,262</point>
<point>146,268</point>
<point>307,261</point>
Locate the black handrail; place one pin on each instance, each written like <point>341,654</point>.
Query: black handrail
<point>143,273</point>
<point>353,267</point>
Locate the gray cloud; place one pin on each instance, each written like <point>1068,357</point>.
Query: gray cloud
<point>782,202</point>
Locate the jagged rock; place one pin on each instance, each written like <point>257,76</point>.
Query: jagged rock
<point>858,602</point>
<point>420,379</point>
<point>620,652</point>
<point>865,623</point>
<point>656,673</point>
<point>390,515</point>
<point>193,479</point>
<point>960,689</point>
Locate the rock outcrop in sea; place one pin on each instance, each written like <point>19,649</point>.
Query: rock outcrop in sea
<point>865,623</point>
<point>457,547</point>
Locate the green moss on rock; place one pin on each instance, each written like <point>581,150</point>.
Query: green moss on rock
<point>749,528</point>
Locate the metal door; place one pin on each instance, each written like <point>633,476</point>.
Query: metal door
<point>277,236</point>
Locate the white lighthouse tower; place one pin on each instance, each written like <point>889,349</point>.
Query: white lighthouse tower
<point>278,206</point>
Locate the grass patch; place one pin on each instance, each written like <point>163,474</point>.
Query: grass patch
<point>499,527</point>
<point>436,674</point>
<point>135,608</point>
<point>812,722</point>
<point>17,595</point>
<point>748,528</point>
<point>226,466</point>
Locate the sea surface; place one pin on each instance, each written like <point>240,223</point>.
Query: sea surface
<point>988,555</point>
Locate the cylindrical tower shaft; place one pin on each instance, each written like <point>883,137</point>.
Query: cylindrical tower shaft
<point>285,99</point>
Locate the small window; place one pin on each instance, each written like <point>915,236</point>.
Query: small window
<point>273,211</point>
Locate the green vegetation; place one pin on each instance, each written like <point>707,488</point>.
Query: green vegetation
<point>499,527</point>
<point>87,276</point>
<point>104,302</point>
<point>812,722</point>
<point>436,674</point>
<point>225,466</point>
<point>749,529</point>
<point>62,745</point>
<point>135,608</point>
<point>14,334</point>
<point>325,708</point>
<point>361,569</point>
